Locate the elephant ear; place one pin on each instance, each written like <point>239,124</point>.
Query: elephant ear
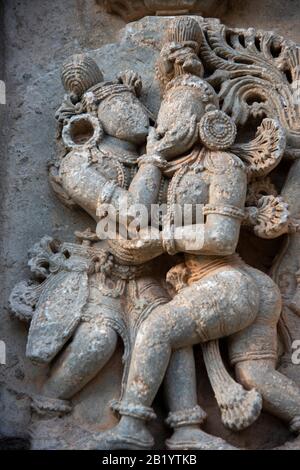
<point>57,314</point>
<point>265,151</point>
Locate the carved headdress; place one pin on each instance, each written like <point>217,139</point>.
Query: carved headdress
<point>83,81</point>
<point>78,74</point>
<point>179,54</point>
<point>183,30</point>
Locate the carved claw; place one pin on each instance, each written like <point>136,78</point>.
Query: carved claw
<point>239,407</point>
<point>242,409</point>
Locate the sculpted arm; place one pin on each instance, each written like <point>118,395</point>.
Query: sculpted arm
<point>90,188</point>
<point>220,233</point>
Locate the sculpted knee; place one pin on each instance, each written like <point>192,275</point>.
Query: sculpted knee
<point>103,340</point>
<point>154,330</point>
<point>252,374</point>
<point>270,297</point>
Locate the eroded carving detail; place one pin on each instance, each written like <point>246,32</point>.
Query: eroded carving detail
<point>199,153</point>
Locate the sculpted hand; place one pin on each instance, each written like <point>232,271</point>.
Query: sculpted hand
<point>153,142</point>
<point>140,250</point>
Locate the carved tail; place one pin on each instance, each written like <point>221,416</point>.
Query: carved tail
<point>239,407</point>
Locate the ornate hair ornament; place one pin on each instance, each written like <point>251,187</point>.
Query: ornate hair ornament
<point>83,80</point>
<point>79,73</point>
<point>185,30</point>
<point>179,54</point>
<point>104,90</point>
<point>127,81</point>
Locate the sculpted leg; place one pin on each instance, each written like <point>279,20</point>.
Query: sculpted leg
<point>89,351</point>
<point>181,396</point>
<point>253,352</point>
<point>199,313</point>
<point>186,416</point>
<point>280,394</point>
<point>180,387</point>
<point>149,362</point>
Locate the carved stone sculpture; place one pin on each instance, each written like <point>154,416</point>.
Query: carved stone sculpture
<point>217,143</point>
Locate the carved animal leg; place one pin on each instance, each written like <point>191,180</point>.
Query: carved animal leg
<point>91,348</point>
<point>239,408</point>
<point>281,396</point>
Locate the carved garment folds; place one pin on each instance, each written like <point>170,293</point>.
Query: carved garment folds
<point>225,138</point>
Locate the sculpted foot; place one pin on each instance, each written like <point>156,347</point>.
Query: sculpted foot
<point>193,438</point>
<point>130,433</point>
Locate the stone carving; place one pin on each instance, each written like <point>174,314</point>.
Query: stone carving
<point>133,10</point>
<point>168,285</point>
<point>195,315</point>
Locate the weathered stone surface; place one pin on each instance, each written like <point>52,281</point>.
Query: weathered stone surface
<point>36,99</point>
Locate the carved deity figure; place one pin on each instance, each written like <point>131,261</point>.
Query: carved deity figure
<point>206,306</point>
<point>89,295</point>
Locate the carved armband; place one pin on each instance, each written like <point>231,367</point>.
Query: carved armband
<point>168,239</point>
<point>107,192</point>
<point>155,160</point>
<point>229,211</point>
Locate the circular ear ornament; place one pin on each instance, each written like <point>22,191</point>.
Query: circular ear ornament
<point>217,130</point>
<point>83,130</point>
